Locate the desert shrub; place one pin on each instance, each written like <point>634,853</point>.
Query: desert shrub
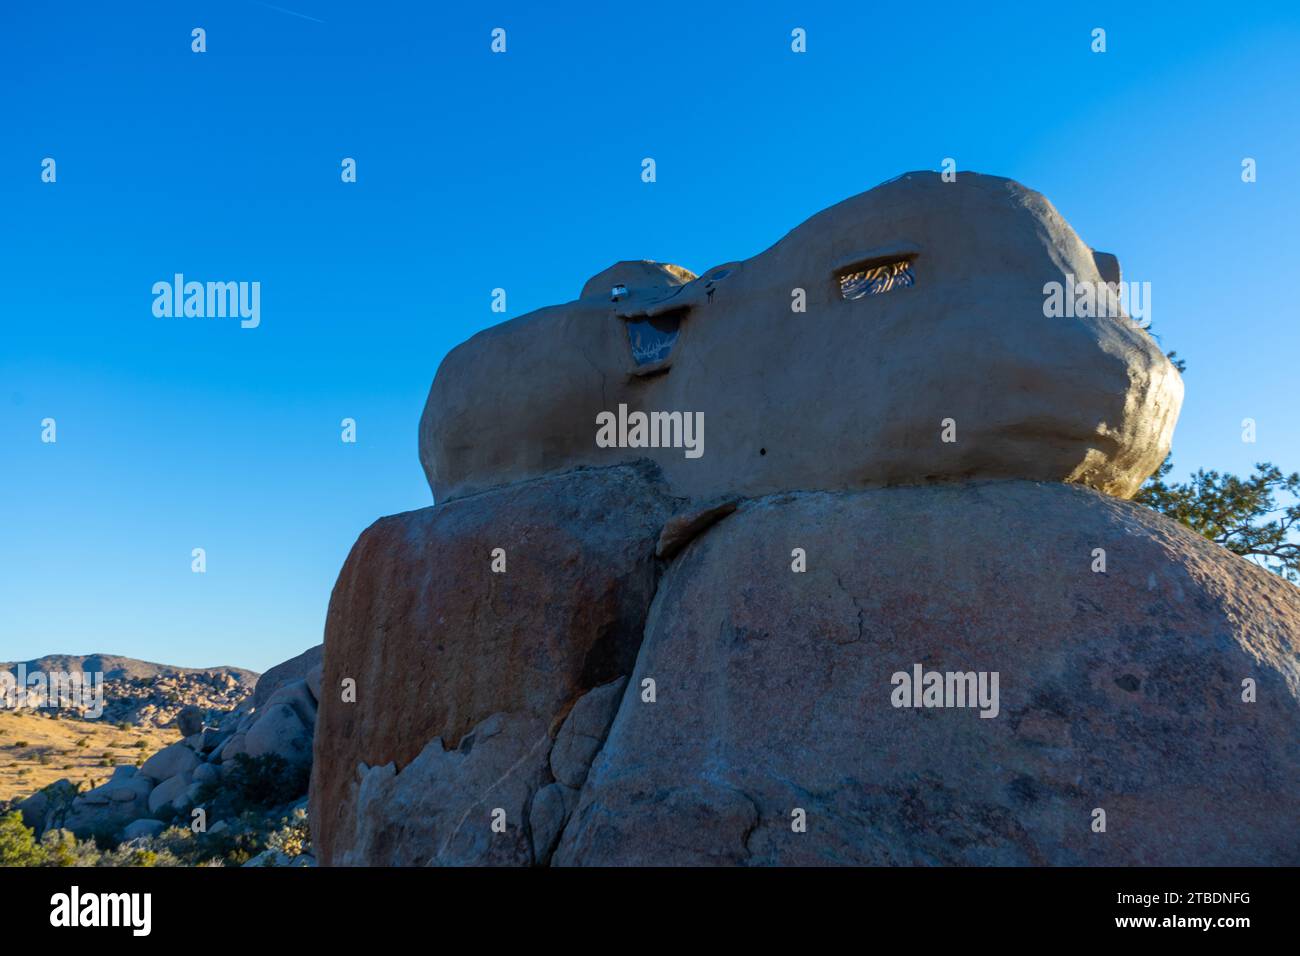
<point>237,843</point>
<point>255,783</point>
<point>62,848</point>
<point>18,846</point>
<point>293,837</point>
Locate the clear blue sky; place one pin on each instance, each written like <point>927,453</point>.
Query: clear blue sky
<point>523,171</point>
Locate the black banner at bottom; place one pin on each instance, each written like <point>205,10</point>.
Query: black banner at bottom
<point>331,905</point>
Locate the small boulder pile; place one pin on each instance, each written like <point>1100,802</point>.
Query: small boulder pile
<point>167,787</point>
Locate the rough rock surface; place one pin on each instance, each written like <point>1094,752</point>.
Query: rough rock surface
<point>104,809</point>
<point>851,392</point>
<point>438,643</point>
<point>583,732</point>
<point>166,792</point>
<point>294,669</point>
<point>279,730</point>
<point>439,809</point>
<point>144,827</point>
<point>170,761</point>
<point>1119,690</point>
<point>189,720</point>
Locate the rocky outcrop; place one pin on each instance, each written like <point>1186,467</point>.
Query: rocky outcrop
<point>891,613</point>
<point>1120,690</point>
<point>140,802</point>
<point>143,693</point>
<point>461,670</point>
<point>772,699</point>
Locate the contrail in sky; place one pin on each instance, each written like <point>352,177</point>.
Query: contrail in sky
<point>292,13</point>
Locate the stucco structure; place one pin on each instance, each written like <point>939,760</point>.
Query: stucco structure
<point>923,302</point>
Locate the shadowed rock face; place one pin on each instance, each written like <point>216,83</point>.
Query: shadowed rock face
<point>1119,690</point>
<point>850,393</point>
<point>449,656</point>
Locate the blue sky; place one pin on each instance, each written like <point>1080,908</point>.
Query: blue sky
<point>522,171</point>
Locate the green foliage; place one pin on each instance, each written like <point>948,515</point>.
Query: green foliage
<point>62,848</point>
<point>18,846</point>
<point>1242,514</point>
<point>293,838</point>
<point>254,784</point>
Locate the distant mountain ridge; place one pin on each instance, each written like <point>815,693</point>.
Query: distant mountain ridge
<point>144,693</point>
<point>124,668</point>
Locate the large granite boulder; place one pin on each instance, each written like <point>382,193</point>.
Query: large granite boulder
<point>279,730</point>
<point>104,810</point>
<point>172,760</point>
<point>1119,690</point>
<point>438,643</point>
<point>923,301</point>
<point>286,672</point>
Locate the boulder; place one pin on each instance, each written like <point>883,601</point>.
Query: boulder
<point>296,668</point>
<point>189,720</point>
<point>313,682</point>
<point>279,730</point>
<point>437,642</point>
<point>187,797</point>
<point>1123,691</point>
<point>49,806</point>
<point>206,773</point>
<point>104,810</point>
<point>232,748</point>
<point>125,793</point>
<point>296,695</point>
<point>170,761</point>
<point>167,791</point>
<point>583,732</point>
<point>212,739</point>
<point>144,827</point>
<point>33,809</point>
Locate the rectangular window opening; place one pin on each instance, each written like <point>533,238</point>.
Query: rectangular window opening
<point>877,278</point>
